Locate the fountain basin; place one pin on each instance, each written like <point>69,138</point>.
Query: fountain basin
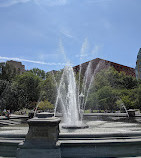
<point>108,137</point>
<point>81,126</point>
<point>90,146</point>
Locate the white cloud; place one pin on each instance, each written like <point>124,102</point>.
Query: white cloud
<point>66,31</point>
<point>32,61</point>
<point>67,34</point>
<point>96,49</point>
<point>99,1</point>
<point>51,2</point>
<point>8,3</point>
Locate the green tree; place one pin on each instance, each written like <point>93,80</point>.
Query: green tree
<point>92,101</point>
<point>107,98</point>
<point>4,85</point>
<point>10,98</point>
<point>49,89</point>
<point>111,77</point>
<point>45,105</point>
<point>7,72</point>
<point>28,86</point>
<point>38,72</point>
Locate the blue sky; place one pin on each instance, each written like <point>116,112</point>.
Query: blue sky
<point>47,33</point>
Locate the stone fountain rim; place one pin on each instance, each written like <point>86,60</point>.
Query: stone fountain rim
<point>80,135</point>
<point>48,120</point>
<point>82,126</point>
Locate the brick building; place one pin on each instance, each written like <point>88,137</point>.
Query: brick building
<point>99,64</point>
<point>17,65</point>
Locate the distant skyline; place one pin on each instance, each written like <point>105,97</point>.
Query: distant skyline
<point>49,33</point>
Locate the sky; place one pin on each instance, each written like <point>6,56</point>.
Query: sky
<point>47,34</point>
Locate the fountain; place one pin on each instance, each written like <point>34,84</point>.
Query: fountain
<point>107,136</point>
<point>72,96</point>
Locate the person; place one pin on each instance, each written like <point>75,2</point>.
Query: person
<point>7,114</point>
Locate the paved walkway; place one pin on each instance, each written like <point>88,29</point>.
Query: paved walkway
<point>13,120</point>
<point>13,116</point>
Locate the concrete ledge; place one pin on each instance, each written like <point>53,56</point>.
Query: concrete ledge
<point>99,135</point>
<point>8,148</point>
<point>107,114</point>
<point>80,148</point>
<point>12,136</point>
<point>79,135</point>
<point>40,153</point>
<point>77,145</point>
<point>93,148</point>
<point>104,114</point>
<point>104,148</point>
<point>101,114</point>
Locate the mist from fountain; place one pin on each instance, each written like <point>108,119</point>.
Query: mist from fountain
<point>123,106</point>
<point>72,93</point>
<point>72,96</point>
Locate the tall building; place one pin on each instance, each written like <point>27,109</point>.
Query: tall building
<point>138,65</point>
<point>17,65</point>
<point>100,64</point>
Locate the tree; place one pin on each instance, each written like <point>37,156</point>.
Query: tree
<point>4,85</point>
<point>107,98</point>
<point>28,86</point>
<point>115,79</point>
<point>55,75</point>
<point>110,85</point>
<point>92,101</point>
<point>10,98</point>
<point>8,72</point>
<point>49,89</point>
<point>45,105</point>
<point>38,72</point>
<point>129,82</point>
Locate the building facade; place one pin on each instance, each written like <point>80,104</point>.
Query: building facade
<point>17,65</point>
<point>99,64</point>
<point>138,65</point>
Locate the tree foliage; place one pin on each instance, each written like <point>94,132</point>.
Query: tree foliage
<point>109,89</point>
<point>48,89</point>
<point>45,105</point>
<point>28,86</point>
<point>38,72</point>
<point>8,72</point>
<point>110,85</point>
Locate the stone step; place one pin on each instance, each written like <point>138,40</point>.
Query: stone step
<point>9,122</point>
<point>8,148</point>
